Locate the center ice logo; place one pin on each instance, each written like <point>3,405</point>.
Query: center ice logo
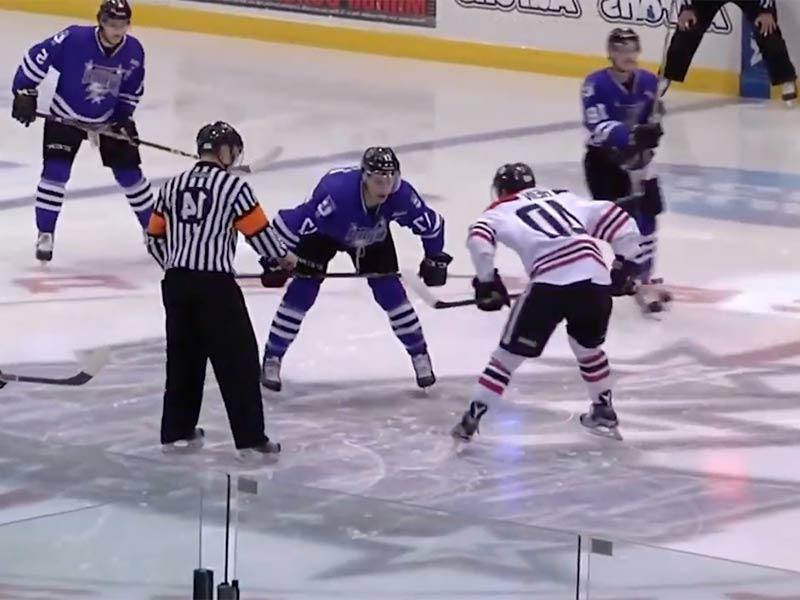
<point>552,8</point>
<point>654,13</point>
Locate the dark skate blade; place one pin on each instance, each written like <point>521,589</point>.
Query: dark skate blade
<point>273,386</point>
<point>426,382</point>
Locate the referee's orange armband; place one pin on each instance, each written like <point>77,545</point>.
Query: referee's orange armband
<point>157,225</point>
<point>252,222</point>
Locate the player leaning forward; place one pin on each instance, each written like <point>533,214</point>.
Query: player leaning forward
<point>192,235</point>
<point>556,235</point>
<point>350,210</point>
<point>100,83</point>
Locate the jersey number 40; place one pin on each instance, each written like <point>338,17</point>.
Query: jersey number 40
<point>551,219</point>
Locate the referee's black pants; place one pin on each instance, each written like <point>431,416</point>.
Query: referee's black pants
<point>207,318</point>
<point>684,44</point>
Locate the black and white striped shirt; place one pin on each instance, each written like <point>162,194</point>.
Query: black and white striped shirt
<point>196,218</point>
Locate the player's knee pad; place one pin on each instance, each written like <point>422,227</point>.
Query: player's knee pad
<point>128,177</point>
<point>388,291</point>
<point>301,293</point>
<point>651,203</point>
<point>56,170</point>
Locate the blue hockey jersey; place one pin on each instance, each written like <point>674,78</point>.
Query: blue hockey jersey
<point>93,87</point>
<point>336,209</point>
<point>610,109</point>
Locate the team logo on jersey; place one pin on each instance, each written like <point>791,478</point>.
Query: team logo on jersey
<point>654,13</point>
<point>361,237</point>
<point>548,8</point>
<point>101,81</point>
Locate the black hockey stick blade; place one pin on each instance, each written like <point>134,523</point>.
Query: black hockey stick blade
<point>93,361</point>
<point>420,289</point>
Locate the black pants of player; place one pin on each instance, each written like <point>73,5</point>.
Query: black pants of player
<point>605,179</point>
<point>684,44</point>
<point>207,319</point>
<point>62,142</point>
<point>318,250</point>
<point>584,305</point>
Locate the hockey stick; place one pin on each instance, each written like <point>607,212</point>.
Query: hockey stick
<point>424,293</point>
<point>92,363</point>
<point>323,275</point>
<point>256,166</point>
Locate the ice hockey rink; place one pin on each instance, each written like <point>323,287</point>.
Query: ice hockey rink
<point>370,498</point>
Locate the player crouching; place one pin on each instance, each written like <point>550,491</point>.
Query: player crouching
<point>350,211</point>
<point>555,233</point>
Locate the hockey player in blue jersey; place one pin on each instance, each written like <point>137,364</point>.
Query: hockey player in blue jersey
<point>350,210</point>
<point>623,115</point>
<point>100,83</point>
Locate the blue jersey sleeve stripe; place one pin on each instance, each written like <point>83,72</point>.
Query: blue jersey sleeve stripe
<point>31,69</point>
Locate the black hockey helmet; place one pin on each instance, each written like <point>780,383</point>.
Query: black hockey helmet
<point>512,178</point>
<point>380,159</point>
<point>115,9</point>
<point>621,37</point>
<point>212,136</point>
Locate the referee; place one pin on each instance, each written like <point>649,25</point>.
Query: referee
<point>192,234</point>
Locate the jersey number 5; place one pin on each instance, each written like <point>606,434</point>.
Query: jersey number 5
<point>193,205</point>
<point>551,219</point>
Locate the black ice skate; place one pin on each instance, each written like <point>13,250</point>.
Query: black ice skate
<point>271,373</point>
<point>602,418</point>
<point>44,247</point>
<point>423,370</point>
<point>267,450</point>
<point>186,445</point>
<point>468,426</point>
<point>789,93</point>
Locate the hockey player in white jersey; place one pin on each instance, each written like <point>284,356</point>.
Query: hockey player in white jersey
<point>556,235</point>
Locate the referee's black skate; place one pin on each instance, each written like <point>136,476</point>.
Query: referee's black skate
<point>271,373</point>
<point>602,418</point>
<point>468,426</point>
<point>423,369</point>
<point>268,449</point>
<point>186,445</point>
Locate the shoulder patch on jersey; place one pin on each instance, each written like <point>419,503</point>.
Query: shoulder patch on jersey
<point>587,90</point>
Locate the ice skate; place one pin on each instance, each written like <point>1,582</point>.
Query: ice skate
<point>652,297</point>
<point>271,373</point>
<point>602,418</point>
<point>423,370</point>
<point>44,247</point>
<point>468,426</point>
<point>789,93</point>
<point>268,450</point>
<point>187,445</point>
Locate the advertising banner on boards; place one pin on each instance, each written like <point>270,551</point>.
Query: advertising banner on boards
<point>420,13</point>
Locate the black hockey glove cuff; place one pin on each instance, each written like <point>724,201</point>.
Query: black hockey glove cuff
<point>126,127</point>
<point>623,276</point>
<point>433,269</point>
<point>24,107</point>
<point>647,136</point>
<point>274,276</point>
<point>491,295</point>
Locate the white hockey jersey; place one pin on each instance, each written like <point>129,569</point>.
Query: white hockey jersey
<point>555,234</point>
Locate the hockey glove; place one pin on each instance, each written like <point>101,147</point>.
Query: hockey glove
<point>24,107</point>
<point>126,127</point>
<point>274,275</point>
<point>623,276</point>
<point>647,136</point>
<point>433,269</point>
<point>491,295</point>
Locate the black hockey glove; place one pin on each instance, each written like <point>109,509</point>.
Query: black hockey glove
<point>647,136</point>
<point>126,127</point>
<point>24,107</point>
<point>274,276</point>
<point>491,295</point>
<point>623,277</point>
<point>433,269</point>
